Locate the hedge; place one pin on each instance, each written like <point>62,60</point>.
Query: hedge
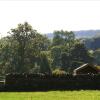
<point>49,82</point>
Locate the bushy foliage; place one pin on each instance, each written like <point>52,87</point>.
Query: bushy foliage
<point>58,72</point>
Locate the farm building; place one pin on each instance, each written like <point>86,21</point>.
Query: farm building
<point>86,69</point>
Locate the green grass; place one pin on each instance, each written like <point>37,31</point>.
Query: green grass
<point>51,95</point>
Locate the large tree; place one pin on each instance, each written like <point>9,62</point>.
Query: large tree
<point>20,51</point>
<point>22,35</point>
<point>81,55</point>
<point>63,43</point>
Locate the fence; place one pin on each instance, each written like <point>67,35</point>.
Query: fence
<point>30,82</point>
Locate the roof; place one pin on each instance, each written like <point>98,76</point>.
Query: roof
<point>85,65</point>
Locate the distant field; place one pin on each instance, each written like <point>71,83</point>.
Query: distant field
<point>52,95</point>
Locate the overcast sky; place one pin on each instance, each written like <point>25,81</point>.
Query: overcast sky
<point>47,16</point>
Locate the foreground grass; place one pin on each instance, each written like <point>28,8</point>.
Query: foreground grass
<point>51,95</point>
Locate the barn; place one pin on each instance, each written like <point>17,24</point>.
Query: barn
<point>86,69</point>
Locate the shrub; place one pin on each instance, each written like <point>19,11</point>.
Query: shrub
<point>58,72</point>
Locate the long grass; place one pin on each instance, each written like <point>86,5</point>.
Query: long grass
<point>51,95</point>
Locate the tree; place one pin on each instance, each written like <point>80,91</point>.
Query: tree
<point>92,43</point>
<point>21,50</point>
<point>97,56</point>
<point>56,56</point>
<point>63,43</point>
<point>66,61</point>
<point>22,35</point>
<point>6,55</point>
<point>63,38</point>
<point>44,64</point>
<point>81,55</point>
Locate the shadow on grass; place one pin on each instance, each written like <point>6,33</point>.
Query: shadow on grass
<point>43,90</point>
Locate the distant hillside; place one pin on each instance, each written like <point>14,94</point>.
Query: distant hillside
<point>81,34</point>
<point>87,33</point>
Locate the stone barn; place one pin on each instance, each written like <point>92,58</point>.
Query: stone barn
<point>86,69</point>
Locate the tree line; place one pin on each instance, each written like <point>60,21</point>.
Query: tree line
<point>25,50</point>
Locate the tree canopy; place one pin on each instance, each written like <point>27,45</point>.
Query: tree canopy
<point>25,50</point>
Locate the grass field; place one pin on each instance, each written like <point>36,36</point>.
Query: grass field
<point>51,95</point>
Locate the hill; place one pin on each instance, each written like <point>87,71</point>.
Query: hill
<point>81,34</point>
<point>87,33</point>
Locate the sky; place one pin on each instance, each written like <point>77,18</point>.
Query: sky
<point>47,16</point>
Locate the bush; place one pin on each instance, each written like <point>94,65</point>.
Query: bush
<point>58,72</point>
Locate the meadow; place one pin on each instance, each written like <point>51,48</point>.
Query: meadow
<point>52,95</point>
